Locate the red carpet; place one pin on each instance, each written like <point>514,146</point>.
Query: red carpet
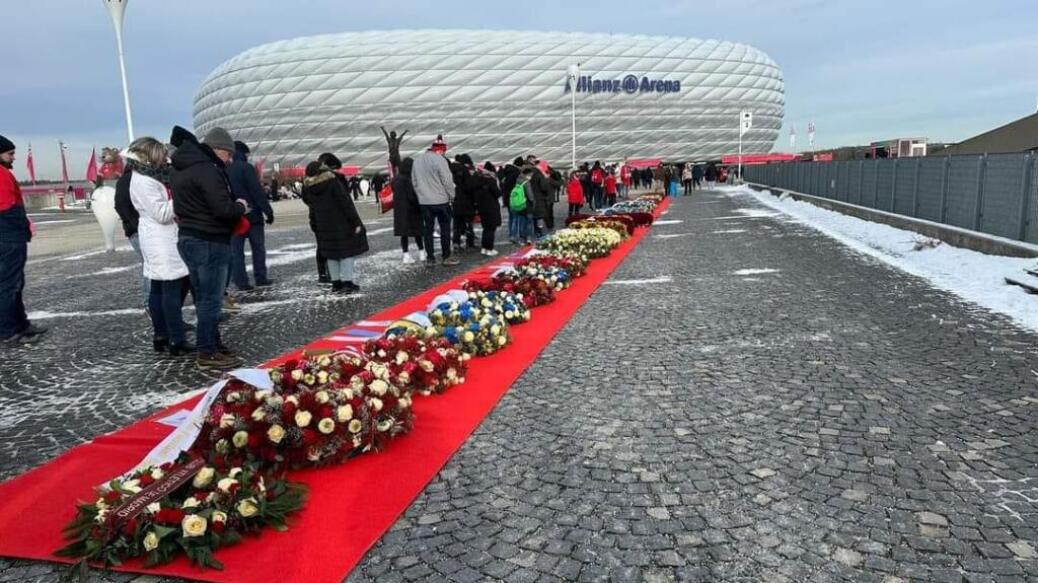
<point>350,506</point>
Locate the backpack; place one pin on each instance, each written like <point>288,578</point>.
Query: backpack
<point>517,198</point>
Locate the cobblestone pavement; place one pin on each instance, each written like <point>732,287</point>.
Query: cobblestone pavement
<point>747,400</point>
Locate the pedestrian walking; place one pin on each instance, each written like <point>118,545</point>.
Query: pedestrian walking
<point>341,235</point>
<point>574,194</point>
<point>697,177</point>
<point>686,179</point>
<point>157,234</point>
<point>521,203</point>
<point>15,235</point>
<point>610,188</point>
<point>625,180</point>
<point>711,175</point>
<point>597,186</point>
<point>245,185</point>
<point>434,186</point>
<point>407,215</point>
<point>208,215</point>
<point>486,193</point>
<point>542,190</point>
<point>464,206</point>
<point>508,176</point>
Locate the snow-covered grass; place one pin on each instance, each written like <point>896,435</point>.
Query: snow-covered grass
<point>973,276</point>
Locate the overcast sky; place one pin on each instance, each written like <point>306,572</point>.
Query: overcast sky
<point>861,71</point>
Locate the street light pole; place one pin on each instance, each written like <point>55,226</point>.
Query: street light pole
<point>116,9</point>
<point>574,71</point>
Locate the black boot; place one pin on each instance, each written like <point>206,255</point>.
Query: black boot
<point>159,344</point>
<point>351,286</point>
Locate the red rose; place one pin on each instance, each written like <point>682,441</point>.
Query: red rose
<point>324,411</point>
<point>288,410</point>
<point>310,437</point>
<point>200,496</point>
<point>218,527</point>
<point>130,528</point>
<point>112,496</point>
<point>146,480</point>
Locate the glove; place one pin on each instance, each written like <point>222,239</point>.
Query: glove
<point>270,219</point>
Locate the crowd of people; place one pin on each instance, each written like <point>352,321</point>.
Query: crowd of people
<point>190,206</point>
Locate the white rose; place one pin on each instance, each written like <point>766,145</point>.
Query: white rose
<point>355,426</point>
<point>222,446</point>
<point>324,361</point>
<point>379,387</point>
<point>313,454</point>
<point>344,413</point>
<point>275,401</point>
<point>452,373</point>
<point>427,365</point>
<point>261,395</point>
<point>297,374</point>
<point>101,504</point>
<point>258,414</point>
<point>101,515</point>
<point>226,484</point>
<point>154,508</point>
<point>322,377</point>
<point>203,477</point>
<point>191,502</point>
<point>151,541</point>
<point>385,425</point>
<point>402,357</point>
<point>248,508</point>
<point>193,525</point>
<point>292,399</point>
<point>321,396</point>
<point>501,340</point>
<point>469,336</point>
<point>356,383</point>
<point>226,420</point>
<point>234,473</point>
<point>233,397</point>
<point>376,404</point>
<point>156,474</point>
<point>326,426</point>
<point>219,516</point>
<point>240,439</point>
<point>276,433</point>
<point>132,486</point>
<point>303,418</point>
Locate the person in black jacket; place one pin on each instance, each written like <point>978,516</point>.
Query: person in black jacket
<point>245,184</point>
<point>378,181</point>
<point>508,176</point>
<point>207,215</point>
<point>129,218</point>
<point>487,195</point>
<point>543,190</point>
<point>407,215</point>
<point>464,208</point>
<point>339,231</point>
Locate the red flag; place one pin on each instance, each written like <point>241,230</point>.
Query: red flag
<point>91,174</point>
<point>64,164</point>
<point>30,166</point>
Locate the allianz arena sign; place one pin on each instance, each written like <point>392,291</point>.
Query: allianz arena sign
<point>627,84</point>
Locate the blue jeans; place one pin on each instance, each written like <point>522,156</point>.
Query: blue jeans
<point>522,226</point>
<point>164,304</point>
<point>257,242</point>
<point>207,266</point>
<point>597,196</point>
<point>341,269</point>
<point>431,215</point>
<point>13,255</point>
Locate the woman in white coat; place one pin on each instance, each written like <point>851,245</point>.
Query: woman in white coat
<point>157,233</point>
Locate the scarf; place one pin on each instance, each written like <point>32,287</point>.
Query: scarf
<point>160,174</point>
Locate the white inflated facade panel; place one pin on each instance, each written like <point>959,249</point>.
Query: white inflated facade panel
<point>493,94</point>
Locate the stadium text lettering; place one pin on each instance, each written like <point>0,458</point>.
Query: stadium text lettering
<point>629,84</point>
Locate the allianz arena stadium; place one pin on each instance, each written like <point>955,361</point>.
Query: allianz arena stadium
<point>494,95</point>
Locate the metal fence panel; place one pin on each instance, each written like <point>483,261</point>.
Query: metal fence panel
<point>1031,227</point>
<point>961,204</point>
<point>931,174</point>
<point>868,184</point>
<point>884,185</point>
<point>1003,191</point>
<point>904,186</point>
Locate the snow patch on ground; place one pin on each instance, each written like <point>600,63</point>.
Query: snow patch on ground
<point>754,271</point>
<point>663,279</point>
<point>45,315</point>
<point>107,271</point>
<point>973,276</point>
<point>728,232</point>
<point>673,235</point>
<point>749,212</point>
<point>667,222</point>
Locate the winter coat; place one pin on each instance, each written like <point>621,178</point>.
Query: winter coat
<point>610,184</point>
<point>597,176</point>
<point>508,176</point>
<point>334,219</point>
<point>686,174</point>
<point>432,179</point>
<point>464,205</point>
<point>543,191</point>
<point>157,230</point>
<point>124,206</point>
<point>202,199</point>
<point>407,215</point>
<point>711,173</point>
<point>245,184</point>
<point>482,186</point>
<point>625,175</point>
<point>575,192</point>
<point>697,172</point>
<point>14,223</point>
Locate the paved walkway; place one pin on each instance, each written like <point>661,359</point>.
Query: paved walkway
<point>778,410</point>
<point>746,401</point>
